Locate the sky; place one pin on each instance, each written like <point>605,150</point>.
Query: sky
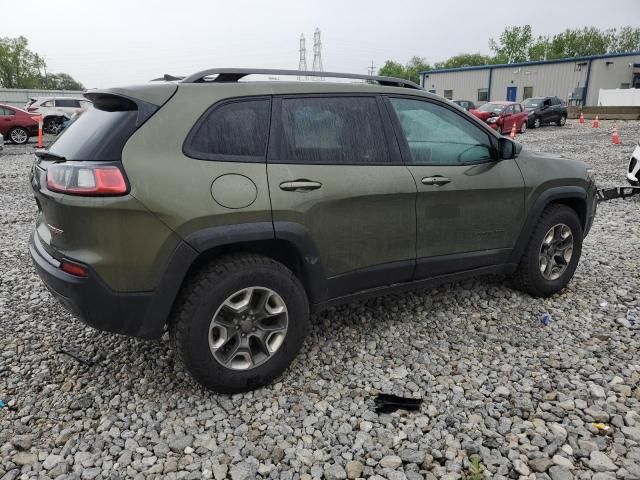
<point>106,43</point>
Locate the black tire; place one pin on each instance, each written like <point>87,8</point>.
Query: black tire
<point>52,125</point>
<point>562,120</point>
<point>201,298</point>
<point>537,122</point>
<point>528,276</point>
<point>18,136</point>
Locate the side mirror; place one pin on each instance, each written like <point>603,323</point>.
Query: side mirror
<point>508,148</point>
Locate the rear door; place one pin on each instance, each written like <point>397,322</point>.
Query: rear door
<point>470,206</point>
<point>6,120</point>
<point>334,171</point>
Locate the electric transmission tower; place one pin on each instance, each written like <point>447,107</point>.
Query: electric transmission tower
<point>302,64</point>
<point>317,51</point>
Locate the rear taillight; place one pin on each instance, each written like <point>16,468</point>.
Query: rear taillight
<point>84,179</point>
<point>73,269</point>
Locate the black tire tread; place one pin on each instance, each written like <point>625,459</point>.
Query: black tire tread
<point>198,284</point>
<point>523,276</point>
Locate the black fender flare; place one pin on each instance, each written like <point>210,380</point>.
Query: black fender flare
<point>544,199</point>
<point>294,234</point>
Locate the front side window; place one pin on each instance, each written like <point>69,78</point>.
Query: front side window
<point>333,130</point>
<point>438,136</point>
<point>234,129</point>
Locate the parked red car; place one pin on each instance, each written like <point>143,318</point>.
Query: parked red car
<point>16,124</point>
<point>502,115</point>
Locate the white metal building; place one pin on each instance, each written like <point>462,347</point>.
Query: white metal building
<point>19,97</point>
<point>575,80</point>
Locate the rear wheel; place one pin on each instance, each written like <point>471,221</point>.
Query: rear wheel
<point>240,322</point>
<point>553,252</point>
<point>523,127</point>
<point>562,121</point>
<point>537,122</point>
<point>18,135</point>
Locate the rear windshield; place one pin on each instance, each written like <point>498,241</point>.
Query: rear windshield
<point>96,135</point>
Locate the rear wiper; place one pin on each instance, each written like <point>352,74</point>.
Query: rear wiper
<point>44,154</point>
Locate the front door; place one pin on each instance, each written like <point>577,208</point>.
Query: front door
<point>470,206</point>
<point>512,93</point>
<point>508,118</point>
<point>334,171</point>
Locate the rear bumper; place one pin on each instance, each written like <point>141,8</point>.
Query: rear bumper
<point>138,314</point>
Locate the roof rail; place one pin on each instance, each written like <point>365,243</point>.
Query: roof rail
<point>230,75</point>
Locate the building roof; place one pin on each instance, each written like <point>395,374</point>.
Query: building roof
<point>538,62</point>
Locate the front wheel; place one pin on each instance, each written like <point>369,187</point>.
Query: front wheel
<point>553,252</point>
<point>239,323</point>
<point>562,120</point>
<point>537,122</point>
<point>19,136</point>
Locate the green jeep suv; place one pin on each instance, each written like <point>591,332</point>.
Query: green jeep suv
<point>225,210</point>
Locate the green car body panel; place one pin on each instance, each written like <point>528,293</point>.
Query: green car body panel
<point>367,227</point>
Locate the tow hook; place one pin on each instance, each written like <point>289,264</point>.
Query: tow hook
<point>605,194</point>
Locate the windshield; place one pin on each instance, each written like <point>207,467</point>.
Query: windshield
<point>491,107</point>
<point>532,102</point>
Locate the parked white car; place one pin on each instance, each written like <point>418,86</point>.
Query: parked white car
<point>55,110</point>
<point>633,172</point>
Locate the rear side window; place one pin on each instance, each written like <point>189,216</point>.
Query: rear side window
<point>330,130</point>
<point>64,103</point>
<point>6,111</point>
<point>237,130</point>
<point>100,133</point>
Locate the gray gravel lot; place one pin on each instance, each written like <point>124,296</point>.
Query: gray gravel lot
<point>495,382</point>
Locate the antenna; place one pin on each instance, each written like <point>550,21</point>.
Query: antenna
<point>302,64</point>
<point>317,51</point>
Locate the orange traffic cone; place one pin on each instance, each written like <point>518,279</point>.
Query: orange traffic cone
<point>581,121</point>
<point>615,139</point>
<point>513,131</point>
<point>596,122</point>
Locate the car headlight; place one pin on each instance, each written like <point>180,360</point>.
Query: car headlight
<point>492,119</point>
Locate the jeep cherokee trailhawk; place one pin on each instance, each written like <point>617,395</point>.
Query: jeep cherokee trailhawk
<point>225,209</point>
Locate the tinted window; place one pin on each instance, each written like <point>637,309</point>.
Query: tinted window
<point>555,101</point>
<point>331,130</point>
<point>436,135</point>
<point>67,103</point>
<point>96,135</point>
<point>239,128</point>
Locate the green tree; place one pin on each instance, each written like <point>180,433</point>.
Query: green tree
<point>22,68</point>
<point>62,81</point>
<point>539,49</point>
<point>626,40</point>
<point>19,66</point>
<point>580,42</point>
<point>513,44</point>
<point>410,71</point>
<point>465,60</point>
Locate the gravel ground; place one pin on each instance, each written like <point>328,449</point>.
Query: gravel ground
<point>495,381</point>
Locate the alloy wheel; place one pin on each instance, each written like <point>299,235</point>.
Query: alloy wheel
<point>248,328</point>
<point>19,136</point>
<point>563,120</point>
<point>536,123</point>
<point>556,251</point>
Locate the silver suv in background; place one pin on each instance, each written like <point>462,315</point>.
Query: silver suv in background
<point>55,110</point>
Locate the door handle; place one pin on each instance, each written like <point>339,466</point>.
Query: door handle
<point>300,186</point>
<point>437,180</point>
